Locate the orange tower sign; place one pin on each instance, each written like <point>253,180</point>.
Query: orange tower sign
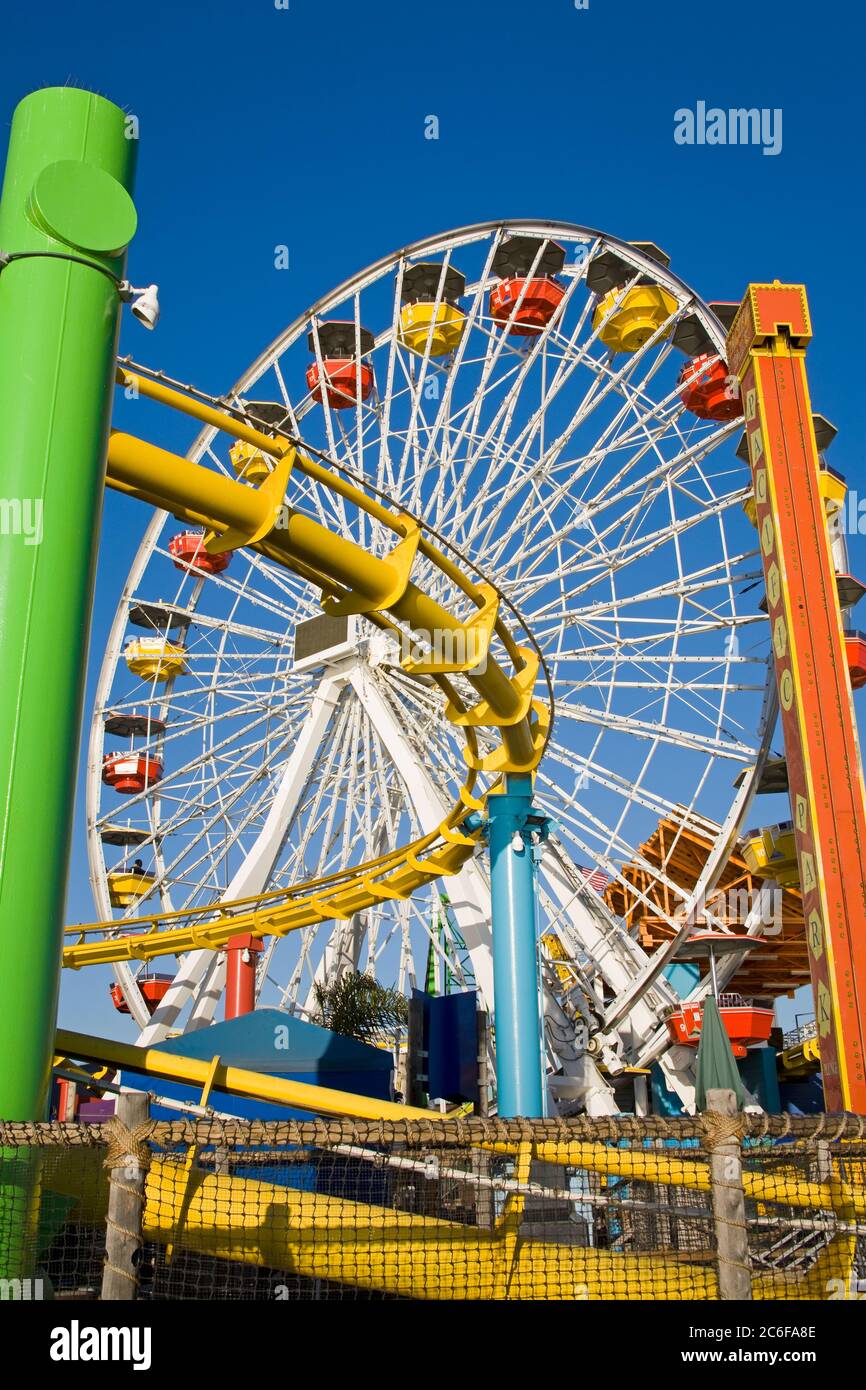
<point>766,350</point>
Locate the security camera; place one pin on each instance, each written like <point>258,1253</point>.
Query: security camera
<point>146,306</point>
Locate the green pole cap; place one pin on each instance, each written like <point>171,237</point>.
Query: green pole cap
<point>83,206</point>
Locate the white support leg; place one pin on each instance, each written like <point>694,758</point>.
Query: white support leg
<point>468,892</point>
<point>203,972</point>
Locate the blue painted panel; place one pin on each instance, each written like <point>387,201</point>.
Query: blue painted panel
<point>802,1097</point>
<point>665,1102</point>
<point>683,975</point>
<point>452,1046</point>
<point>758,1070</point>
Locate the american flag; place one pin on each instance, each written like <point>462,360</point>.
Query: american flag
<point>596,878</point>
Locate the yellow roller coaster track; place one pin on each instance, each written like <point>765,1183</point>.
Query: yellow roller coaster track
<point>351,581</point>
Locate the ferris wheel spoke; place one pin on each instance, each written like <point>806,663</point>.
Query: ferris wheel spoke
<point>595,838</point>
<point>285,396</point>
<point>709,580</point>
<point>668,690</point>
<point>675,472</point>
<point>182,865</point>
<point>630,424</point>
<point>646,729</point>
<point>629,550</point>
<point>492,351</point>
<point>589,770</point>
<point>618,485</point>
<point>416,383</point>
<point>602,844</point>
<point>605,381</point>
<point>705,711</point>
<point>498,429</point>
<point>181,780</point>
<point>593,462</point>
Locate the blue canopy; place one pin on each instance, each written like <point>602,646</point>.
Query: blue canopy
<point>272,1042</point>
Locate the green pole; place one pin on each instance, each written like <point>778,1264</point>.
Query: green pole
<point>65,195</point>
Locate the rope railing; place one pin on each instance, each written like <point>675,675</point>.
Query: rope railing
<point>445,1132</point>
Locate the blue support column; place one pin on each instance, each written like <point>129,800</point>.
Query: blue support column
<point>519,1077</point>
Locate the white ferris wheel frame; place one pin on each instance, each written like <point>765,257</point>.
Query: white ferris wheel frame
<point>633,978</point>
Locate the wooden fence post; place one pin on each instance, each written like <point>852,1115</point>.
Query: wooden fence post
<point>729,1202</point>
<point>123,1237</point>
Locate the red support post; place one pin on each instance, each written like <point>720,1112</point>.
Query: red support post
<point>241,952</point>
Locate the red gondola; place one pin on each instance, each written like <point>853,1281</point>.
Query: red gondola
<point>855,651</point>
<point>344,376</point>
<point>528,288</point>
<point>188,552</point>
<point>745,1025</point>
<point>542,297</point>
<point>705,389</point>
<point>130,772</point>
<point>153,990</point>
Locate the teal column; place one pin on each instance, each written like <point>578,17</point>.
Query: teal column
<point>66,217</point>
<point>519,1062</point>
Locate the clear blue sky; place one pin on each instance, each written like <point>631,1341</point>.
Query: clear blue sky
<point>305,127</point>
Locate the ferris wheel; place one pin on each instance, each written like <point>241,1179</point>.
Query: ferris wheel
<point>553,405</point>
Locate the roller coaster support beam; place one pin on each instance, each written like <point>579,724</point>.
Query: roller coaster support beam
<point>517,1004</point>
<point>766,349</point>
<point>66,217</point>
